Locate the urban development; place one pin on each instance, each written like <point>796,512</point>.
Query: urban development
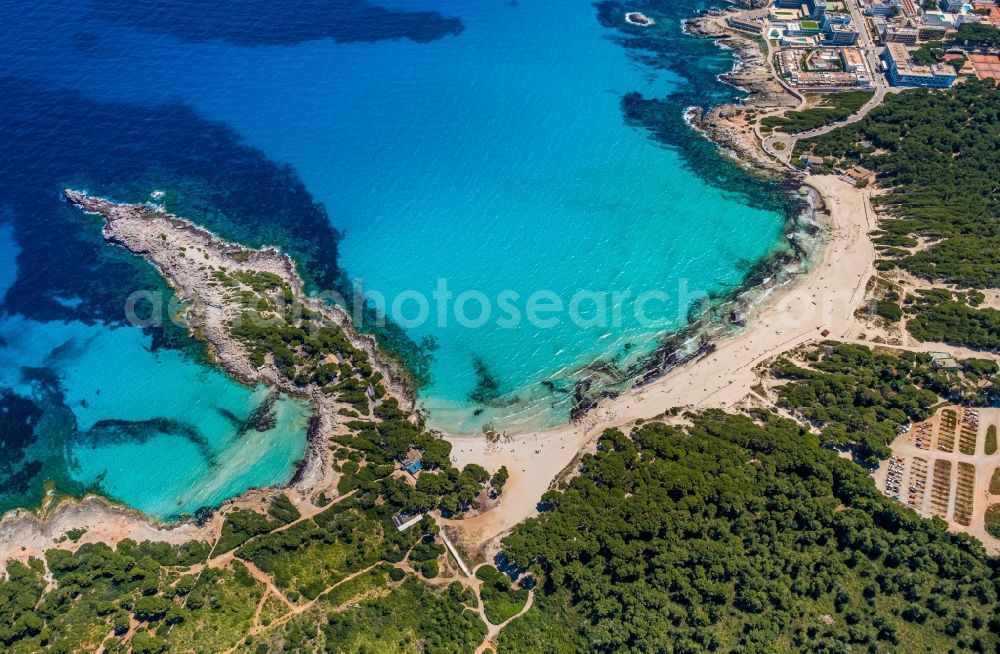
<point>864,44</point>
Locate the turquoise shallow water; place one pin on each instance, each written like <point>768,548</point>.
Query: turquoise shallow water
<point>133,469</point>
<point>152,429</point>
<point>499,162</point>
<point>489,149</point>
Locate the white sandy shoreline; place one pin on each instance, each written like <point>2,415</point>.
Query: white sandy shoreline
<point>801,237</point>
<point>786,316</point>
<point>823,298</point>
<point>533,458</point>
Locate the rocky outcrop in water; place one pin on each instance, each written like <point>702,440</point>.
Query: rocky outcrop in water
<point>731,125</point>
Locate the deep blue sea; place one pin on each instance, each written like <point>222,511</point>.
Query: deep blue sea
<point>512,181</point>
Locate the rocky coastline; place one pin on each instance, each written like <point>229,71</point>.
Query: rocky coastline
<point>187,256</point>
<point>720,317</point>
<point>25,533</point>
<point>730,128</point>
<point>163,239</point>
<point>728,125</point>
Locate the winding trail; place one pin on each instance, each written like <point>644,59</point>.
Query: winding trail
<point>789,141</point>
<point>494,630</point>
<point>294,610</point>
<point>308,511</point>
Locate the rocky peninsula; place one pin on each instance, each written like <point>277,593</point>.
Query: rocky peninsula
<point>250,308</point>
<point>731,125</point>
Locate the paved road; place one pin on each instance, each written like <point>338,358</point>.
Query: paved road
<point>784,155</point>
<point>779,145</point>
<point>881,88</point>
<point>871,52</point>
<point>875,101</point>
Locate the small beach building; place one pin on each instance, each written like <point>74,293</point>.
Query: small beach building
<point>412,463</point>
<point>810,161</point>
<point>944,361</point>
<point>860,175</point>
<point>406,519</point>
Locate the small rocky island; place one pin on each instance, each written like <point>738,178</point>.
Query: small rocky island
<point>639,18</point>
<point>250,308</point>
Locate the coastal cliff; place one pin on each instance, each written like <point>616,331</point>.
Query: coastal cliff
<point>249,307</point>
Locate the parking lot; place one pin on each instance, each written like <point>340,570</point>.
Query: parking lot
<point>939,468</point>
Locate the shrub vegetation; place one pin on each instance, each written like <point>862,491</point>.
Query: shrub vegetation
<point>937,153</point>
<point>833,107</point>
<point>742,535</point>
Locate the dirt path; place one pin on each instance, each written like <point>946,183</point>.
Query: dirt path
<point>294,610</point>
<point>913,346</point>
<point>255,623</point>
<point>490,641</point>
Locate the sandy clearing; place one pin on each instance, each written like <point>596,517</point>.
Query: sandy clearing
<point>24,535</point>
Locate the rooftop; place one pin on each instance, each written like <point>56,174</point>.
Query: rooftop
<point>905,66</point>
<point>936,20</point>
<point>853,57</point>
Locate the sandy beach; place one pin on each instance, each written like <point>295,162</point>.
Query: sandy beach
<point>824,298</point>
<point>820,299</point>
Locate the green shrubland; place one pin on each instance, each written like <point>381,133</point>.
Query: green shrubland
<point>832,108</point>
<point>742,535</point>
